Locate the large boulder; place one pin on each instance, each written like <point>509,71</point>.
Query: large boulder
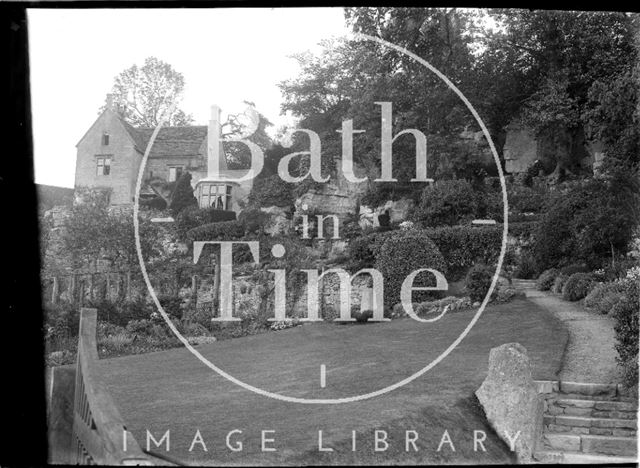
<point>398,210</point>
<point>279,223</point>
<point>510,399</point>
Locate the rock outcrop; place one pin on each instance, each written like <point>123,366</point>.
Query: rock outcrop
<point>510,399</point>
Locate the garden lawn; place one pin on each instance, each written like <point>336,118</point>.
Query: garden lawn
<point>172,390</point>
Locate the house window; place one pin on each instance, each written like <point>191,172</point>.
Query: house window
<point>103,166</point>
<point>174,173</point>
<point>216,196</point>
<point>105,139</point>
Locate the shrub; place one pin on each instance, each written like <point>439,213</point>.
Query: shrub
<point>254,220</point>
<point>464,246</point>
<point>546,279</point>
<point>525,267</point>
<point>224,230</point>
<point>182,195</point>
<point>604,296</point>
<point>363,250</point>
<point>558,283</point>
<point>625,312</point>
<point>478,281</point>
<point>192,217</point>
<point>155,203</point>
<point>271,191</point>
<point>62,320</point>
<point>403,252</point>
<point>577,286</point>
<point>446,202</point>
<point>140,327</point>
<point>586,223</point>
<point>172,305</point>
<point>361,316</point>
<point>509,294</point>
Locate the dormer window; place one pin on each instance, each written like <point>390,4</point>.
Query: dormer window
<point>105,139</point>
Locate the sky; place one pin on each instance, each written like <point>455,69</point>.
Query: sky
<point>226,56</point>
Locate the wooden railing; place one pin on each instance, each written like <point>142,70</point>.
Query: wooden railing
<point>99,435</point>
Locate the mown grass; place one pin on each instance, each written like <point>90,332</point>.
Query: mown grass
<point>172,390</point>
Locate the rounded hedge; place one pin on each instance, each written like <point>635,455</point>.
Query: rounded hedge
<point>446,202</point>
<point>577,286</point>
<point>402,253</point>
<point>478,281</point>
<point>604,296</point>
<point>546,279</point>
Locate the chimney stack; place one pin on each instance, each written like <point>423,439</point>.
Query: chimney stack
<point>110,102</point>
<point>214,143</point>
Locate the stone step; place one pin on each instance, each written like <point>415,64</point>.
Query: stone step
<point>578,458</point>
<point>608,445</point>
<point>580,396</point>
<point>592,408</point>
<point>582,421</point>
<point>560,429</point>
<point>598,405</point>
<point>589,389</point>
<point>592,444</point>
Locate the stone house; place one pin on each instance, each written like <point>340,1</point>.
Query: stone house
<point>111,151</point>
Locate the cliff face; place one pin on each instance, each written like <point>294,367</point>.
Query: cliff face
<point>338,196</point>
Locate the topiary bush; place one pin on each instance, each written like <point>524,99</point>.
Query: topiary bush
<point>577,286</point>
<point>546,279</point>
<point>446,202</point>
<point>182,195</point>
<point>558,283</point>
<point>403,252</point>
<point>625,312</point>
<point>478,281</point>
<point>192,217</point>
<point>604,296</point>
<point>224,230</point>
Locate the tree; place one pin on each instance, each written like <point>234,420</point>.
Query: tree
<point>182,194</point>
<point>144,94</point>
<point>93,232</point>
<point>556,57</point>
<point>250,125</point>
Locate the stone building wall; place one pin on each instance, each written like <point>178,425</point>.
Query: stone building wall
<point>125,160</point>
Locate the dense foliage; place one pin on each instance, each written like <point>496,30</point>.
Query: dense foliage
<point>192,217</point>
<point>446,202</point>
<point>626,313</point>
<point>577,286</point>
<point>546,279</point>
<point>478,281</point>
<point>589,222</point>
<point>402,253</point>
<point>182,195</point>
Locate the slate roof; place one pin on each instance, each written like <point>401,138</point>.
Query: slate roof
<point>171,141</point>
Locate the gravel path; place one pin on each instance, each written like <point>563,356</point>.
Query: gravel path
<point>590,355</point>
